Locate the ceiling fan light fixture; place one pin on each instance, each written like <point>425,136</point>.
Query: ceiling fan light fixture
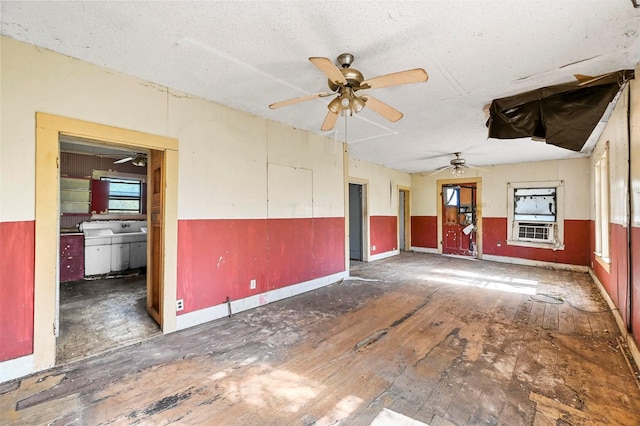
<point>457,171</point>
<point>357,104</point>
<point>334,106</point>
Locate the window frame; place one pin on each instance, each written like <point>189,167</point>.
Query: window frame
<point>108,175</point>
<point>602,206</point>
<point>113,197</point>
<point>558,225</point>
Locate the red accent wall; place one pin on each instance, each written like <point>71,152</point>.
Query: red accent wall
<point>615,281</point>
<point>290,246</point>
<point>383,232</point>
<point>218,258</point>
<point>424,231</point>
<point>17,263</point>
<point>576,240</point>
<point>620,262</point>
<point>635,274</point>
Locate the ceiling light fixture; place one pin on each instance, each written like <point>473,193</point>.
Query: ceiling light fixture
<point>457,171</point>
<point>347,103</point>
<point>334,106</point>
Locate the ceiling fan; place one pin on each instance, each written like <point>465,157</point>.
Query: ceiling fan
<point>346,81</point>
<point>137,159</point>
<point>457,166</point>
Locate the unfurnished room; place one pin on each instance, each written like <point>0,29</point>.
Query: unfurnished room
<point>320,212</point>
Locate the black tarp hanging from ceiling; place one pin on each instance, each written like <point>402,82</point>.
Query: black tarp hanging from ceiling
<point>563,115</point>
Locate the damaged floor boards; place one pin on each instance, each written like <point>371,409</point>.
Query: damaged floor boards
<point>440,340</point>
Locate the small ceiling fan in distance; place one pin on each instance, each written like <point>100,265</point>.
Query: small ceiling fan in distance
<point>137,159</point>
<point>345,82</point>
<point>456,165</point>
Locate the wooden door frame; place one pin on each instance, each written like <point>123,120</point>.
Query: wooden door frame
<point>48,130</point>
<point>407,217</point>
<point>478,182</point>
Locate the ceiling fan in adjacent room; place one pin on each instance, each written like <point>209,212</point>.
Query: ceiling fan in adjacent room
<point>137,159</point>
<point>345,82</point>
<point>457,166</point>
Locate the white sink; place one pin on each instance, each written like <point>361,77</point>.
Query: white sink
<point>98,233</point>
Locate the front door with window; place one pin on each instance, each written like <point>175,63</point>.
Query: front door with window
<point>459,219</point>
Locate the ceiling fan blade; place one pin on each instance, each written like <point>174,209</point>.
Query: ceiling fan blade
<point>329,121</point>
<point>383,109</point>
<point>440,169</point>
<point>300,99</point>
<point>124,160</point>
<point>417,75</point>
<point>329,69</point>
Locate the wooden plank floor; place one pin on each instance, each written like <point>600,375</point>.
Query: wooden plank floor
<point>441,340</point>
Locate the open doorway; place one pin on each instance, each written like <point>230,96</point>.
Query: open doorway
<point>404,220</point>
<point>459,219</point>
<point>356,221</point>
<point>49,127</point>
<point>102,293</point>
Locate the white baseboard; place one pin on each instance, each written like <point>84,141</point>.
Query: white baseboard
<point>14,368</point>
<point>384,255</point>
<point>539,263</point>
<point>424,250</point>
<point>219,311</point>
<point>633,348</point>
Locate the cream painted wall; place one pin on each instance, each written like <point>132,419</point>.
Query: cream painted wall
<point>38,80</point>
<point>296,148</point>
<point>383,186</point>
<point>575,173</point>
<point>616,134</point>
<point>223,153</point>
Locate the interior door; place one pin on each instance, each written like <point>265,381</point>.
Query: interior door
<point>355,221</point>
<point>155,238</point>
<point>459,219</point>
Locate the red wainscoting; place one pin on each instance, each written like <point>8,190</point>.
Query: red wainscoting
<point>383,231</point>
<point>604,277</point>
<point>218,258</point>
<point>635,286</point>
<point>17,263</point>
<point>328,247</point>
<point>615,281</point>
<point>620,263</point>
<point>424,231</point>
<point>576,240</point>
<point>290,246</point>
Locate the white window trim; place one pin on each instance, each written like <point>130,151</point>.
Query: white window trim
<point>602,208</point>
<point>512,240</point>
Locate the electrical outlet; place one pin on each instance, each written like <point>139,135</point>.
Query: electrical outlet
<point>179,304</point>
<point>373,248</point>
<point>252,284</point>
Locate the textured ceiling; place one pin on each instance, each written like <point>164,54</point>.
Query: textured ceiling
<point>248,55</point>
